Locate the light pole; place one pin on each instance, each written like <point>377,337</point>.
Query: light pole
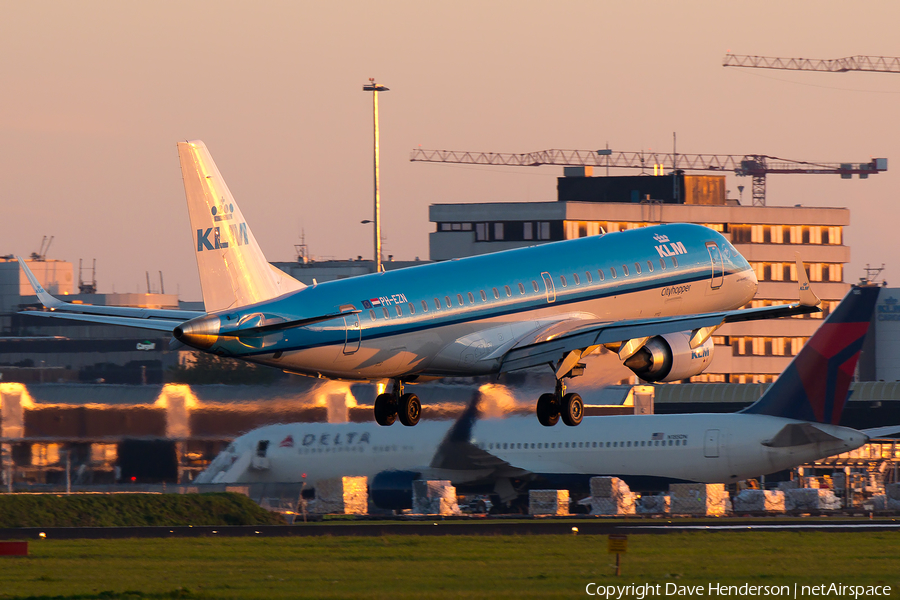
<point>375,88</point>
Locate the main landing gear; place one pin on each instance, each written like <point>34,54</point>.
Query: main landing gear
<point>396,404</point>
<point>550,407</point>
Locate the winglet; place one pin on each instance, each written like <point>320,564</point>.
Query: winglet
<point>46,299</point>
<point>807,296</point>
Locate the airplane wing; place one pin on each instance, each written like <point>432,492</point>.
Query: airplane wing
<point>576,337</point>
<point>147,318</point>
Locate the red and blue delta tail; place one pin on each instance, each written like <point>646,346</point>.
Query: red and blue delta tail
<point>814,385</point>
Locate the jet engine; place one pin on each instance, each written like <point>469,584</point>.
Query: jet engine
<point>669,357</point>
<point>392,490</point>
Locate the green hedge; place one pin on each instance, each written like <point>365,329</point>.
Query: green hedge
<point>132,510</point>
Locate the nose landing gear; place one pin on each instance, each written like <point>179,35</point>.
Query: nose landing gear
<point>391,406</point>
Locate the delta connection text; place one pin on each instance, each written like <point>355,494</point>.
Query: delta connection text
<point>639,591</point>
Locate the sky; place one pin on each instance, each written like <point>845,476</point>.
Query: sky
<point>95,96</point>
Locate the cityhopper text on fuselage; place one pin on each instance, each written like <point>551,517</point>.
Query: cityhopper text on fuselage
<point>653,295</point>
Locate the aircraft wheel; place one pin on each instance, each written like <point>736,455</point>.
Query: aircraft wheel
<point>385,410</point>
<point>572,409</point>
<point>548,410</point>
<point>409,410</point>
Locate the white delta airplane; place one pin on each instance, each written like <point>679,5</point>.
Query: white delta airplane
<point>794,422</point>
<point>653,295</point>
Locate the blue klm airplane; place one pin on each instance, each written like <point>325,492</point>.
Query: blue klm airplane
<point>653,295</point>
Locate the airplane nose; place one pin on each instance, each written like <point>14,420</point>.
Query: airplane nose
<point>200,333</point>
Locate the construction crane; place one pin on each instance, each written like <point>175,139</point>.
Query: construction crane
<point>876,64</point>
<point>756,166</point>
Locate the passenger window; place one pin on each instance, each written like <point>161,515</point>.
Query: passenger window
<point>589,278</point>
<point>535,285</point>
<point>412,308</point>
<point>386,313</point>
<point>625,270</point>
<point>615,444</point>
<point>562,280</point>
<point>424,306</point>
<point>649,266</point>
<point>662,263</point>
<point>642,443</point>
<point>674,262</point>
<point>471,298</point>
<point>459,299</point>
<point>496,294</point>
<point>670,442</point>
<point>612,271</point>
<point>437,304</point>
<point>600,273</point>
<point>637,268</point>
<point>575,278</point>
<point>372,315</point>
<point>607,444</point>
<point>447,301</point>
<point>508,291</point>
<point>399,311</point>
<point>521,288</point>
<point>629,445</point>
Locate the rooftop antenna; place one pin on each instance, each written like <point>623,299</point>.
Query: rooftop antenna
<point>872,273</point>
<point>301,249</point>
<point>87,288</point>
<point>41,254</point>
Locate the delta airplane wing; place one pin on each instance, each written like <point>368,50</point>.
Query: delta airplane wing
<point>794,422</point>
<point>653,295</point>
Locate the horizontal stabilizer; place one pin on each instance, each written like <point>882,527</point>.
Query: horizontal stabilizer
<point>877,432</point>
<point>799,434</point>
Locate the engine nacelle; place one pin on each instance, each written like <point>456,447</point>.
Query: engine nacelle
<point>669,357</point>
<point>392,490</point>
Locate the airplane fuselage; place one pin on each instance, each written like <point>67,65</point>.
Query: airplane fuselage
<point>459,317</point>
<point>647,451</point>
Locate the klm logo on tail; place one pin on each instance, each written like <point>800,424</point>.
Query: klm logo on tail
<point>238,231</point>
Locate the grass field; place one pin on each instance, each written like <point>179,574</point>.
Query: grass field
<point>398,567</point>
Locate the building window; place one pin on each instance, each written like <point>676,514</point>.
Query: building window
<point>544,230</point>
<point>498,231</point>
<point>527,231</point>
<point>480,232</point>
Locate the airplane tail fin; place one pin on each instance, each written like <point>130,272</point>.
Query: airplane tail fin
<point>233,270</point>
<point>814,385</point>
